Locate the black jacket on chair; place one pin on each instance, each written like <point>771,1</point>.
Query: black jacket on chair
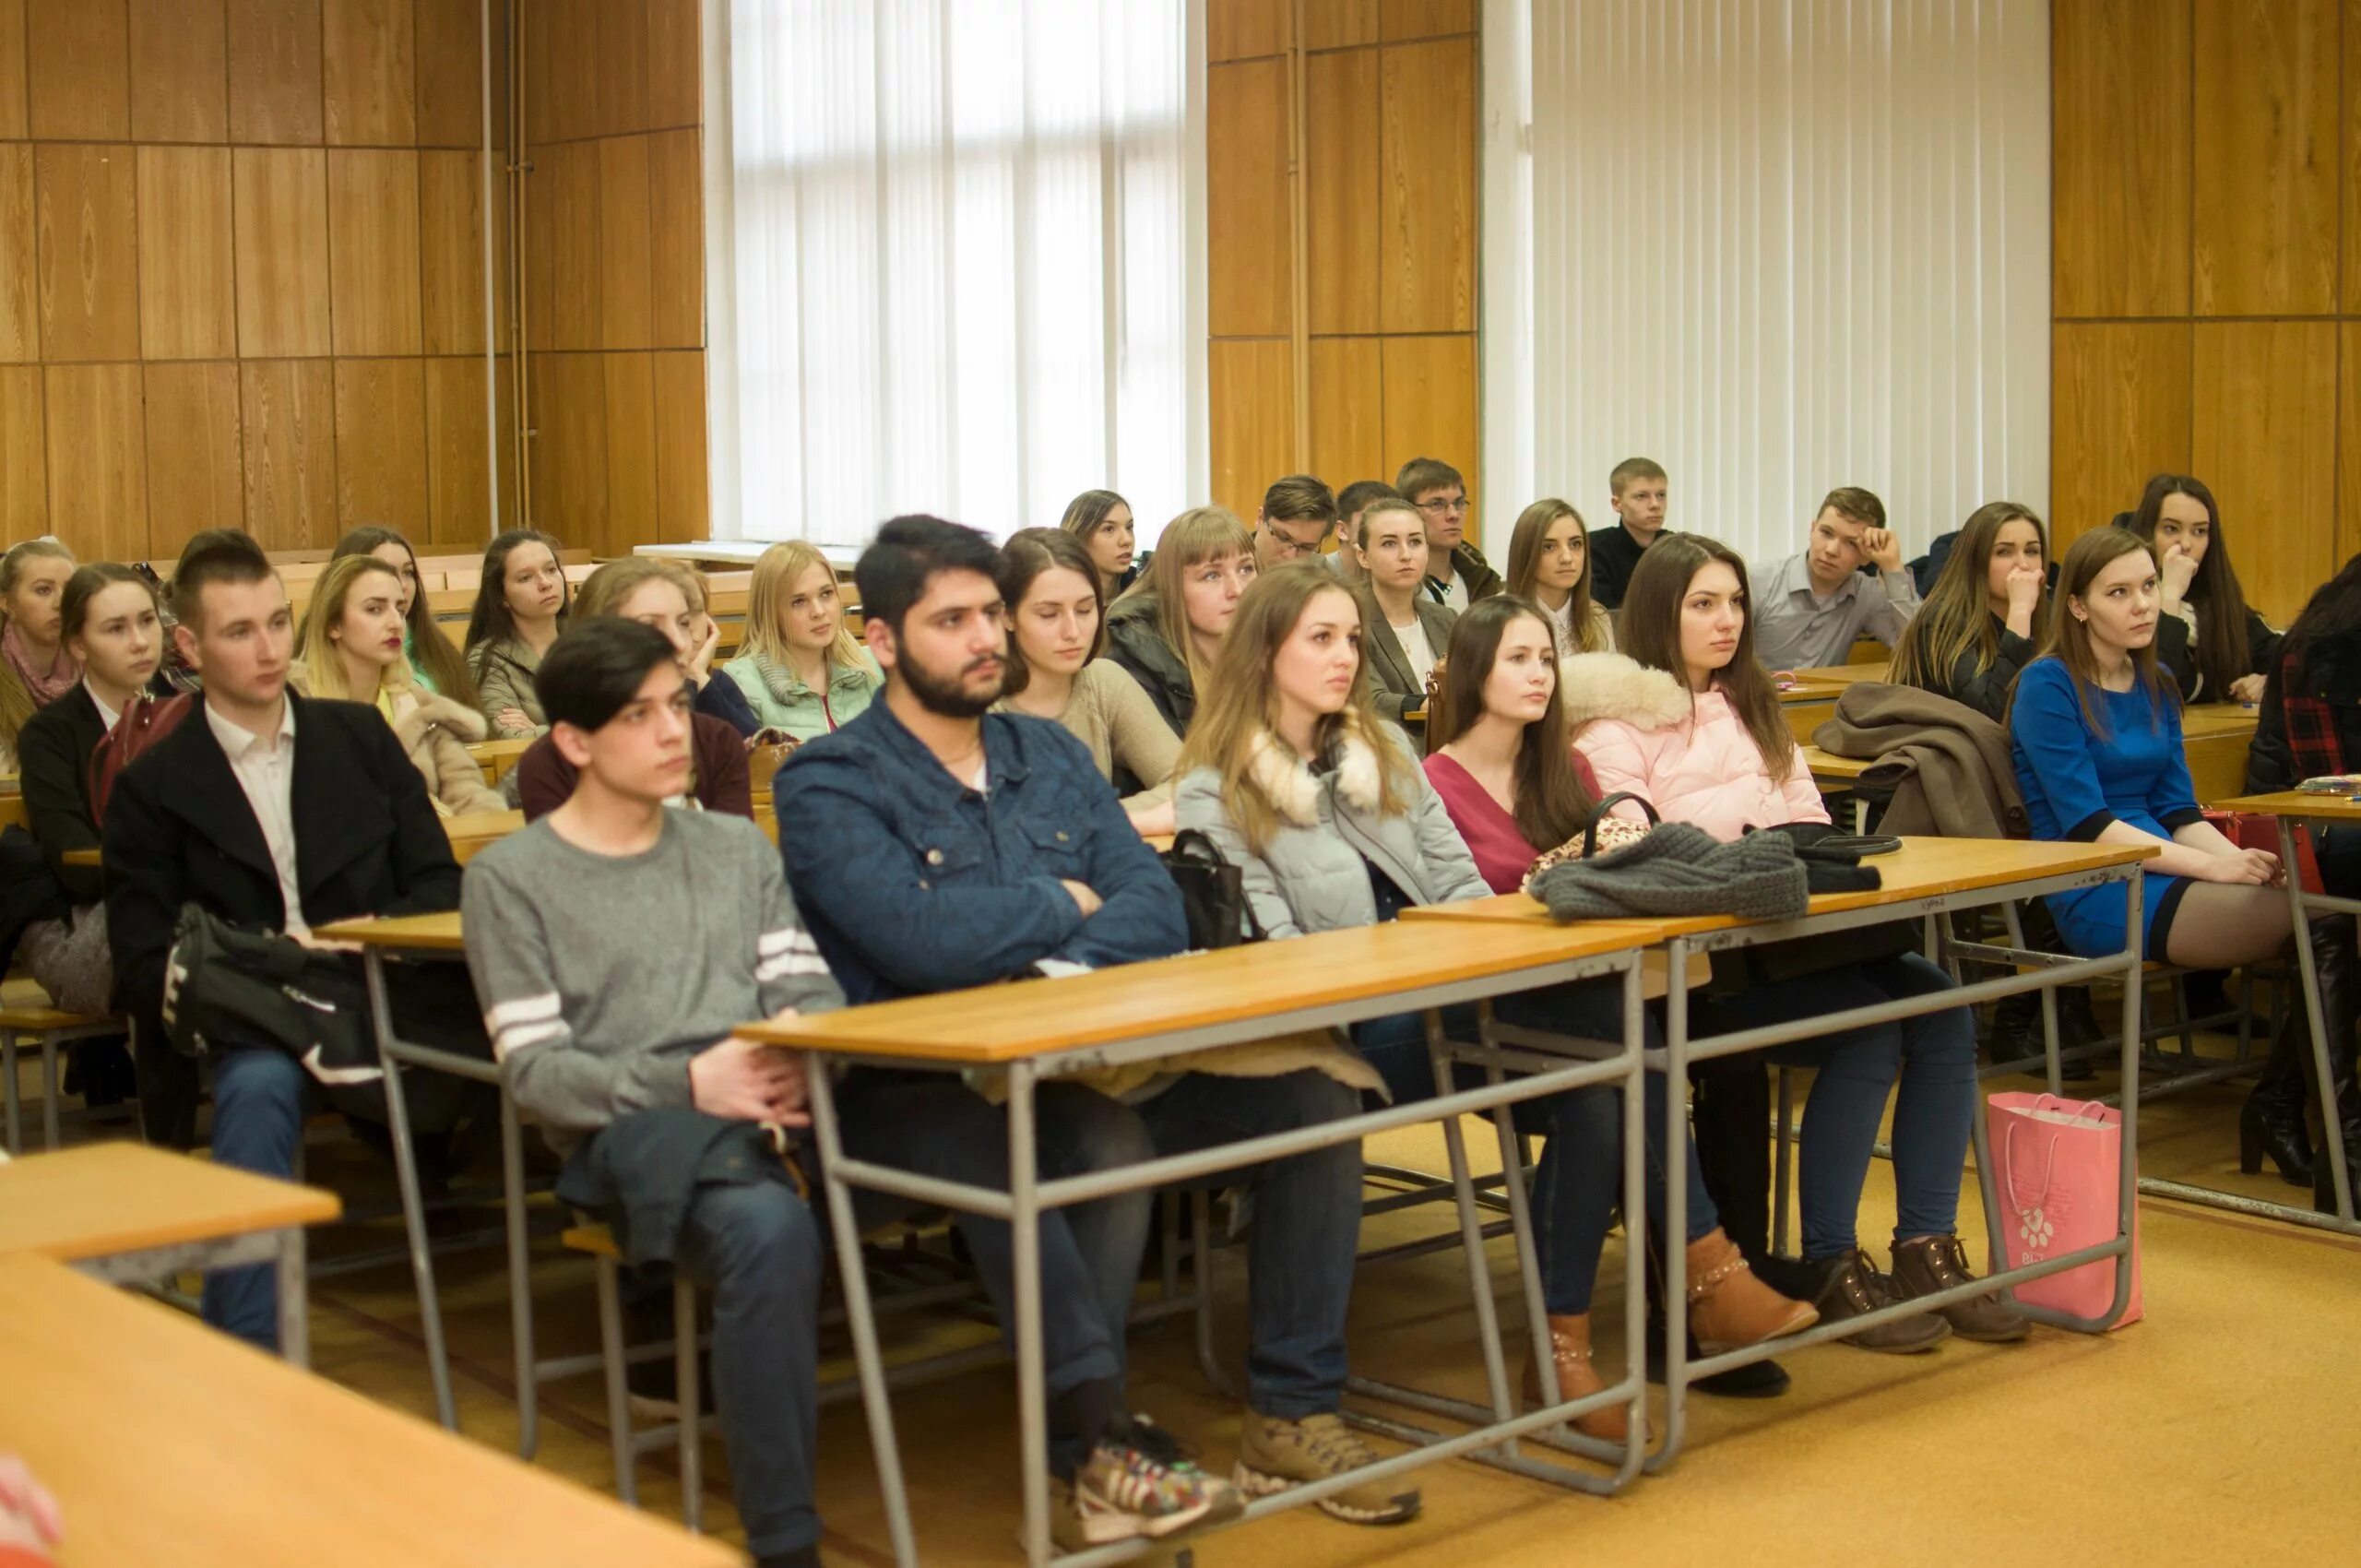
<point>179,830</point>
<point>53,756</point>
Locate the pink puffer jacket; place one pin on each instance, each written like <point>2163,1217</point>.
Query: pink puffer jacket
<point>1638,729</point>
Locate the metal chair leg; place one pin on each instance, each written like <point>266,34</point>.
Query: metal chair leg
<point>1783,1167</point>
<point>691,1425</point>
<point>15,1110</point>
<point>610,1352</point>
<point>49,1090</point>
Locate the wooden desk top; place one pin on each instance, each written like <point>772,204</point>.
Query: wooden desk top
<point>1828,765</point>
<point>107,1198</point>
<point>2200,720</point>
<point>92,857</point>
<point>165,1442</point>
<point>1005,1023</point>
<point>1843,675</point>
<point>409,933</point>
<point>2295,803</point>
<point>1922,868</point>
<point>1805,689</point>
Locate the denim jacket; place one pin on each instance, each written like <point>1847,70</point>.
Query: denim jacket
<point>913,882</point>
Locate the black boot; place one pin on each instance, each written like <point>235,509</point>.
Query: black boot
<point>2338,963</point>
<point>2016,1031</point>
<point>2272,1121</point>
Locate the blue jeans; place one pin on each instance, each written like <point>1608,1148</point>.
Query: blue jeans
<point>1581,1172</point>
<point>1935,1056</point>
<point>260,1099</point>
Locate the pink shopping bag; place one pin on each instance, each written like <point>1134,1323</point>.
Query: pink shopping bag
<point>2055,1165</point>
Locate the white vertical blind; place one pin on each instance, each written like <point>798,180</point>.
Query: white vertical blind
<point>1778,246</point>
<point>956,279</point>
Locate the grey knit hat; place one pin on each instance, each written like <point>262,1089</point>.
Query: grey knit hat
<point>1679,869</point>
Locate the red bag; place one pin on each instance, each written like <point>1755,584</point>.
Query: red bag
<point>2260,830</point>
<point>143,724</point>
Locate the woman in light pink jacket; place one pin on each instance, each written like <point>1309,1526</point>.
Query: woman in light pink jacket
<point>1690,723</point>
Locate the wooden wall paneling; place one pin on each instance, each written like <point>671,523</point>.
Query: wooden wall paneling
<point>1246,216</point>
<point>624,303</point>
<point>373,268</point>
<point>675,64</point>
<point>459,468</point>
<point>288,418</point>
<point>2348,432</point>
<point>510,464</point>
<point>275,72</point>
<point>1348,411</point>
<point>1431,410</point>
<point>381,443</point>
<point>560,57</point>
<point>2265,152</point>
<point>280,216</point>
<point>2120,411</point>
<point>19,255</point>
<point>450,72</point>
<point>1400,19</point>
<point>1253,397</point>
<point>1427,256</point>
<point>2265,441</point>
<point>632,501</point>
<point>682,492</point>
<point>561,273</point>
<point>196,453</point>
<point>98,459</point>
<point>23,460</point>
<point>2120,139</point>
<point>676,239</point>
<point>86,212</point>
<point>180,65</point>
<point>188,298</point>
<point>1245,30</point>
<point>622,84</point>
<point>1339,23</point>
<point>1341,190</point>
<point>369,73</point>
<point>15,112</point>
<point>568,402</point>
<point>78,66</point>
<point>450,224</point>
<point>2349,162</point>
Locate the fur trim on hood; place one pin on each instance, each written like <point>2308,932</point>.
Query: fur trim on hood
<point>1287,782</point>
<point>1616,685</point>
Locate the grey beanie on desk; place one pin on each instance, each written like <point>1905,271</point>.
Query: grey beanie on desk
<point>1679,869</point>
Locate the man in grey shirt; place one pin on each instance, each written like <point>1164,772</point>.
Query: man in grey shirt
<point>1811,608</point>
<point>617,944</point>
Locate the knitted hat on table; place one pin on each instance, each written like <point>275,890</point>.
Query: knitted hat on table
<point>1679,869</point>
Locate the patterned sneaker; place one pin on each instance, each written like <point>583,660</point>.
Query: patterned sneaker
<point>1139,1482</point>
<point>1273,1454</point>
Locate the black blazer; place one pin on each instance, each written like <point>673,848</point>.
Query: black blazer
<point>179,830</point>
<point>53,757</point>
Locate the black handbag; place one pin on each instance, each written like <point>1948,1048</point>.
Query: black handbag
<point>1212,891</point>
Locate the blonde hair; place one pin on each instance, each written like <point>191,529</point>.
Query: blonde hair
<point>776,572</point>
<point>604,590</point>
<point>1235,704</point>
<point>16,705</point>
<point>1196,536</point>
<point>320,664</point>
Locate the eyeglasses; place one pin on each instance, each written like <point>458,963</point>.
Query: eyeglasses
<point>1290,549</point>
<point>1442,506</point>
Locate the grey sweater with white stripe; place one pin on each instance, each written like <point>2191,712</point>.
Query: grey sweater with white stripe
<point>601,974</point>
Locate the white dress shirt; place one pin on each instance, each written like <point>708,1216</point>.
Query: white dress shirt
<point>107,715</point>
<point>265,767</point>
<point>1418,652</point>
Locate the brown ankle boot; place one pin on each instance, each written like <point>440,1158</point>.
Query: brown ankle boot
<point>1577,1379</point>
<point>1729,1307</point>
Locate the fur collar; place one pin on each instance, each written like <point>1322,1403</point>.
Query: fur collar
<point>421,712</point>
<point>1615,685</point>
<point>1286,781</point>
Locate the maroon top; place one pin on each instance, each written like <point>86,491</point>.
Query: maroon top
<point>545,780</point>
<point>1493,838</point>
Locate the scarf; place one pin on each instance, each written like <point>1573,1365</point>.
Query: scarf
<point>45,688</point>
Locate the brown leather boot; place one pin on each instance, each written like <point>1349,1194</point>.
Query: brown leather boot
<point>1729,1307</point>
<point>1930,1264</point>
<point>1577,1379</point>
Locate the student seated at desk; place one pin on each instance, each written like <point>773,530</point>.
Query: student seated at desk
<point>1165,629</point>
<point>1697,732</point>
<point>1297,520</point>
<point>649,592</point>
<point>1549,563</point>
<point>1101,521</point>
<point>1815,605</point>
<point>801,671</point>
<point>274,811</point>
<point>521,606</point>
<point>940,845</point>
<point>1977,626</point>
<point>36,668</point>
<point>1457,573</point>
<point>435,665</point>
<point>350,648</point>
<point>1351,502</point>
<point>723,699</point>
<point>1637,490</point>
<point>1057,630</point>
<point>622,1048</point>
<point>2215,648</point>
<point>1323,806</point>
<point>1403,629</point>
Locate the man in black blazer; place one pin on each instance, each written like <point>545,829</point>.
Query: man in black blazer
<point>271,811</point>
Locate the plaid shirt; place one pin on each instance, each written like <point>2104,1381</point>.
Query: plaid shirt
<point>2313,739</point>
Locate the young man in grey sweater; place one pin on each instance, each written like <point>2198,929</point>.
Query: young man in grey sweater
<point>616,945</point>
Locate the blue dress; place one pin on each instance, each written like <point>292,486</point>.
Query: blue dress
<point>2075,781</point>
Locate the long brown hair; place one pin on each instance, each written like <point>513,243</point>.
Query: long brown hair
<point>2219,653</point>
<point>16,705</point>
<point>2070,637</point>
<point>1027,554</point>
<point>1651,633</point>
<point>1533,526</point>
<point>1552,804</point>
<point>492,620</point>
<point>1196,536</point>
<point>444,668</point>
<point>1957,615</point>
<point>1234,706</point>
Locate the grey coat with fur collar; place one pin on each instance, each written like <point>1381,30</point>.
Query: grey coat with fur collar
<point>1313,875</point>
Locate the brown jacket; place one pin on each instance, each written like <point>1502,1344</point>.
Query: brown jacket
<point>434,733</point>
<point>1948,766</point>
